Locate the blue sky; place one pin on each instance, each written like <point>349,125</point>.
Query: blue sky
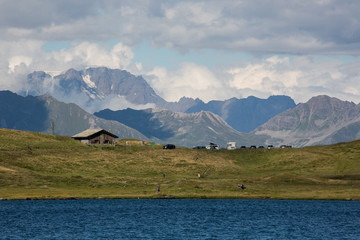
<point>160,56</point>
<point>171,59</point>
<point>55,46</point>
<point>206,48</point>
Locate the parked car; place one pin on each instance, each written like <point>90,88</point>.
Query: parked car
<point>209,147</point>
<point>169,146</point>
<point>253,146</point>
<point>270,146</point>
<point>285,146</point>
<point>199,147</point>
<point>243,147</point>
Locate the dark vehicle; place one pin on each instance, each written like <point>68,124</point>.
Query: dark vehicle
<point>253,146</point>
<point>285,146</point>
<point>243,147</point>
<point>261,146</point>
<point>270,146</point>
<point>199,147</point>
<point>169,146</point>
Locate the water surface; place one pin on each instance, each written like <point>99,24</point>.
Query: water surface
<point>179,219</point>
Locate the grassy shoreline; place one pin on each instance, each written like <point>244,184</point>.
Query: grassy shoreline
<point>40,166</point>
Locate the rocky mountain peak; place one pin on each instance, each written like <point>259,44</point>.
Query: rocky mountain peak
<point>93,85</point>
<point>72,74</point>
<point>320,120</point>
<point>331,108</point>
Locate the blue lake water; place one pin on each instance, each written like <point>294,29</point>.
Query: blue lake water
<point>179,219</point>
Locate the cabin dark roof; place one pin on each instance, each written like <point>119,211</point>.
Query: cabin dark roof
<point>90,132</point>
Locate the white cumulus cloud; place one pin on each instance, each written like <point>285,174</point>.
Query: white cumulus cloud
<point>300,78</point>
<point>88,54</point>
<point>17,61</point>
<point>190,80</point>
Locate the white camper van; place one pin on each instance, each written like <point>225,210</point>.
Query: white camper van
<point>231,145</point>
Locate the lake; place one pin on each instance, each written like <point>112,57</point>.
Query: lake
<point>179,219</point>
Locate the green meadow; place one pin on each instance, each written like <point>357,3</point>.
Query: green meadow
<point>40,166</point>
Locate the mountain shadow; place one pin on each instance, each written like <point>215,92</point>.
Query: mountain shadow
<point>141,120</point>
<point>23,113</point>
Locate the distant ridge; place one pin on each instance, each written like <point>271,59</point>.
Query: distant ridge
<point>320,121</point>
<point>38,114</point>
<point>161,126</point>
<point>246,114</point>
<point>185,129</point>
<point>94,89</point>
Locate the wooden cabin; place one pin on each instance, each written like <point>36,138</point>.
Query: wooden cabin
<point>96,137</point>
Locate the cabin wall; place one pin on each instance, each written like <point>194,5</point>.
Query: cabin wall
<point>85,141</point>
<point>102,139</point>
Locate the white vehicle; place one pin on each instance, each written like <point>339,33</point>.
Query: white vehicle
<point>212,146</point>
<point>231,145</point>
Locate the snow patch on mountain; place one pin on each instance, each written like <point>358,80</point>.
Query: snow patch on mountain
<point>91,95</point>
<point>212,130</point>
<point>87,80</point>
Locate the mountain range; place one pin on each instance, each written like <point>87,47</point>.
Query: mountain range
<point>246,114</point>
<point>95,89</point>
<point>322,120</point>
<point>45,114</point>
<point>59,102</point>
<point>93,86</point>
<point>185,129</point>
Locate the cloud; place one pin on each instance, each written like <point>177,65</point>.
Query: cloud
<point>274,75</point>
<point>80,55</point>
<point>113,102</point>
<point>19,58</point>
<point>88,54</point>
<point>17,61</point>
<point>190,80</point>
<point>256,27</point>
<point>34,14</point>
<point>292,33</point>
<point>301,78</point>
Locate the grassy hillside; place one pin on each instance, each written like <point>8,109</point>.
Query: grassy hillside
<point>34,165</point>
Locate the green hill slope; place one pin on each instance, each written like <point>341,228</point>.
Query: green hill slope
<point>34,165</point>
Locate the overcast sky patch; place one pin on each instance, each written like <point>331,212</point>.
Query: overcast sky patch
<point>206,49</point>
